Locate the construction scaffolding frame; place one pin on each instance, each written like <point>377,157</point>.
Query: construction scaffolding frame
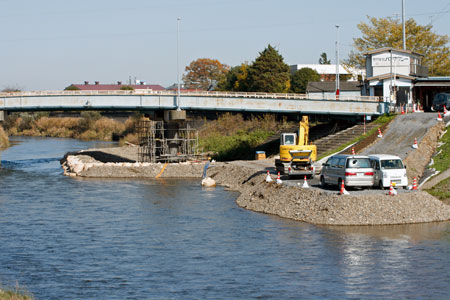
<point>158,143</point>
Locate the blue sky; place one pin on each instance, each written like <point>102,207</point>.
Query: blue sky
<point>49,44</point>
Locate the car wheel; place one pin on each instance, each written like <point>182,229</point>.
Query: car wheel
<point>380,185</point>
<point>322,182</point>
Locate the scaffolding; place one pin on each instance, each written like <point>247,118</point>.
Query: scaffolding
<point>160,143</point>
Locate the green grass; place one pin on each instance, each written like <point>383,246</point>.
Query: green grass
<point>380,121</point>
<point>441,190</point>
<point>235,147</point>
<point>442,160</point>
<point>231,137</point>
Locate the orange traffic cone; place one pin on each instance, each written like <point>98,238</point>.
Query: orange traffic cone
<point>439,118</point>
<point>414,186</point>
<point>305,184</point>
<point>268,178</point>
<point>343,191</point>
<point>414,108</point>
<point>380,135</point>
<point>415,146</point>
<point>279,181</point>
<point>392,191</point>
<point>445,111</point>
<point>403,112</point>
<point>353,150</point>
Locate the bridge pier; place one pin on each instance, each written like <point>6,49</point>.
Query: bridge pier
<point>2,116</point>
<point>173,120</point>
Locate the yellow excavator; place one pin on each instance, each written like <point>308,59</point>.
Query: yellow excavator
<point>296,156</point>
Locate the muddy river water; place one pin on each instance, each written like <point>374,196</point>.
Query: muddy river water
<point>68,238</point>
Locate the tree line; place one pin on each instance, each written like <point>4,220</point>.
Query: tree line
<point>269,73</point>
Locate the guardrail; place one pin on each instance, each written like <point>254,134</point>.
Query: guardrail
<point>194,93</point>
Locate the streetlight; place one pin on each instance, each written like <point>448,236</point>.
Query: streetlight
<point>178,63</point>
<point>337,61</point>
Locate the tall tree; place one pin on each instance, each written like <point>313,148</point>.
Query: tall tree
<point>204,73</point>
<point>300,79</point>
<point>387,32</point>
<point>323,60</point>
<point>268,73</point>
<point>236,79</point>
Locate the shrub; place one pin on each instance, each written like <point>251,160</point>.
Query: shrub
<point>4,141</point>
<point>127,88</point>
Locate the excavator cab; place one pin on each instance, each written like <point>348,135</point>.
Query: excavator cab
<point>288,139</point>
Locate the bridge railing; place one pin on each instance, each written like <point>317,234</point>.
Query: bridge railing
<point>193,94</point>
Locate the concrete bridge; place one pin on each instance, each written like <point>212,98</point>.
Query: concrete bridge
<point>147,100</point>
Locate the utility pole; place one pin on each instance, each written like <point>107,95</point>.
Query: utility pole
<point>403,24</point>
<point>178,63</point>
<point>337,61</point>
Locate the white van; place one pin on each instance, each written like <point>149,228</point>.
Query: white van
<point>388,168</point>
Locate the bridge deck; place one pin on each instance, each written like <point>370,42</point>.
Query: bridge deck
<point>218,101</point>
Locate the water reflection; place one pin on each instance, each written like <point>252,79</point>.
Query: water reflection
<point>411,232</point>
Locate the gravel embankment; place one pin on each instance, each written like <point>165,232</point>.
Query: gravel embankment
<point>319,207</point>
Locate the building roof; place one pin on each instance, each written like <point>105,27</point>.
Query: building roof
<point>375,51</point>
<point>321,69</point>
<point>114,87</point>
<point>330,86</point>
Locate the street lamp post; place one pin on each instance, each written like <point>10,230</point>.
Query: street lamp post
<point>178,63</point>
<point>337,61</point>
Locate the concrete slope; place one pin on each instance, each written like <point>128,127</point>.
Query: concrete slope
<point>399,137</point>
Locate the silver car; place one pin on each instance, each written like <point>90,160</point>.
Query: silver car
<point>354,170</point>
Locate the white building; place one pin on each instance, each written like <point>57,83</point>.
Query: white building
<point>328,72</point>
<point>391,74</point>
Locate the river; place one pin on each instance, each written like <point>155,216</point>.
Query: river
<point>70,238</point>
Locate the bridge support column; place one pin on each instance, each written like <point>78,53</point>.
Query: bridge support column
<point>173,121</point>
<point>2,116</point>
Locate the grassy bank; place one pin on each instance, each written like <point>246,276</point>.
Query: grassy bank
<point>4,141</point>
<point>442,163</point>
<point>89,126</point>
<point>442,159</point>
<point>441,191</point>
<point>232,137</point>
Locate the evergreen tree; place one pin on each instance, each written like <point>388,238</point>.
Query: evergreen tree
<point>323,60</point>
<point>269,73</point>
<point>300,79</point>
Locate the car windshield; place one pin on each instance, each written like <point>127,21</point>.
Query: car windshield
<point>392,164</point>
<point>358,163</point>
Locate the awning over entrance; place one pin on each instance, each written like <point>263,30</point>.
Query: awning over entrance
<point>432,84</point>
